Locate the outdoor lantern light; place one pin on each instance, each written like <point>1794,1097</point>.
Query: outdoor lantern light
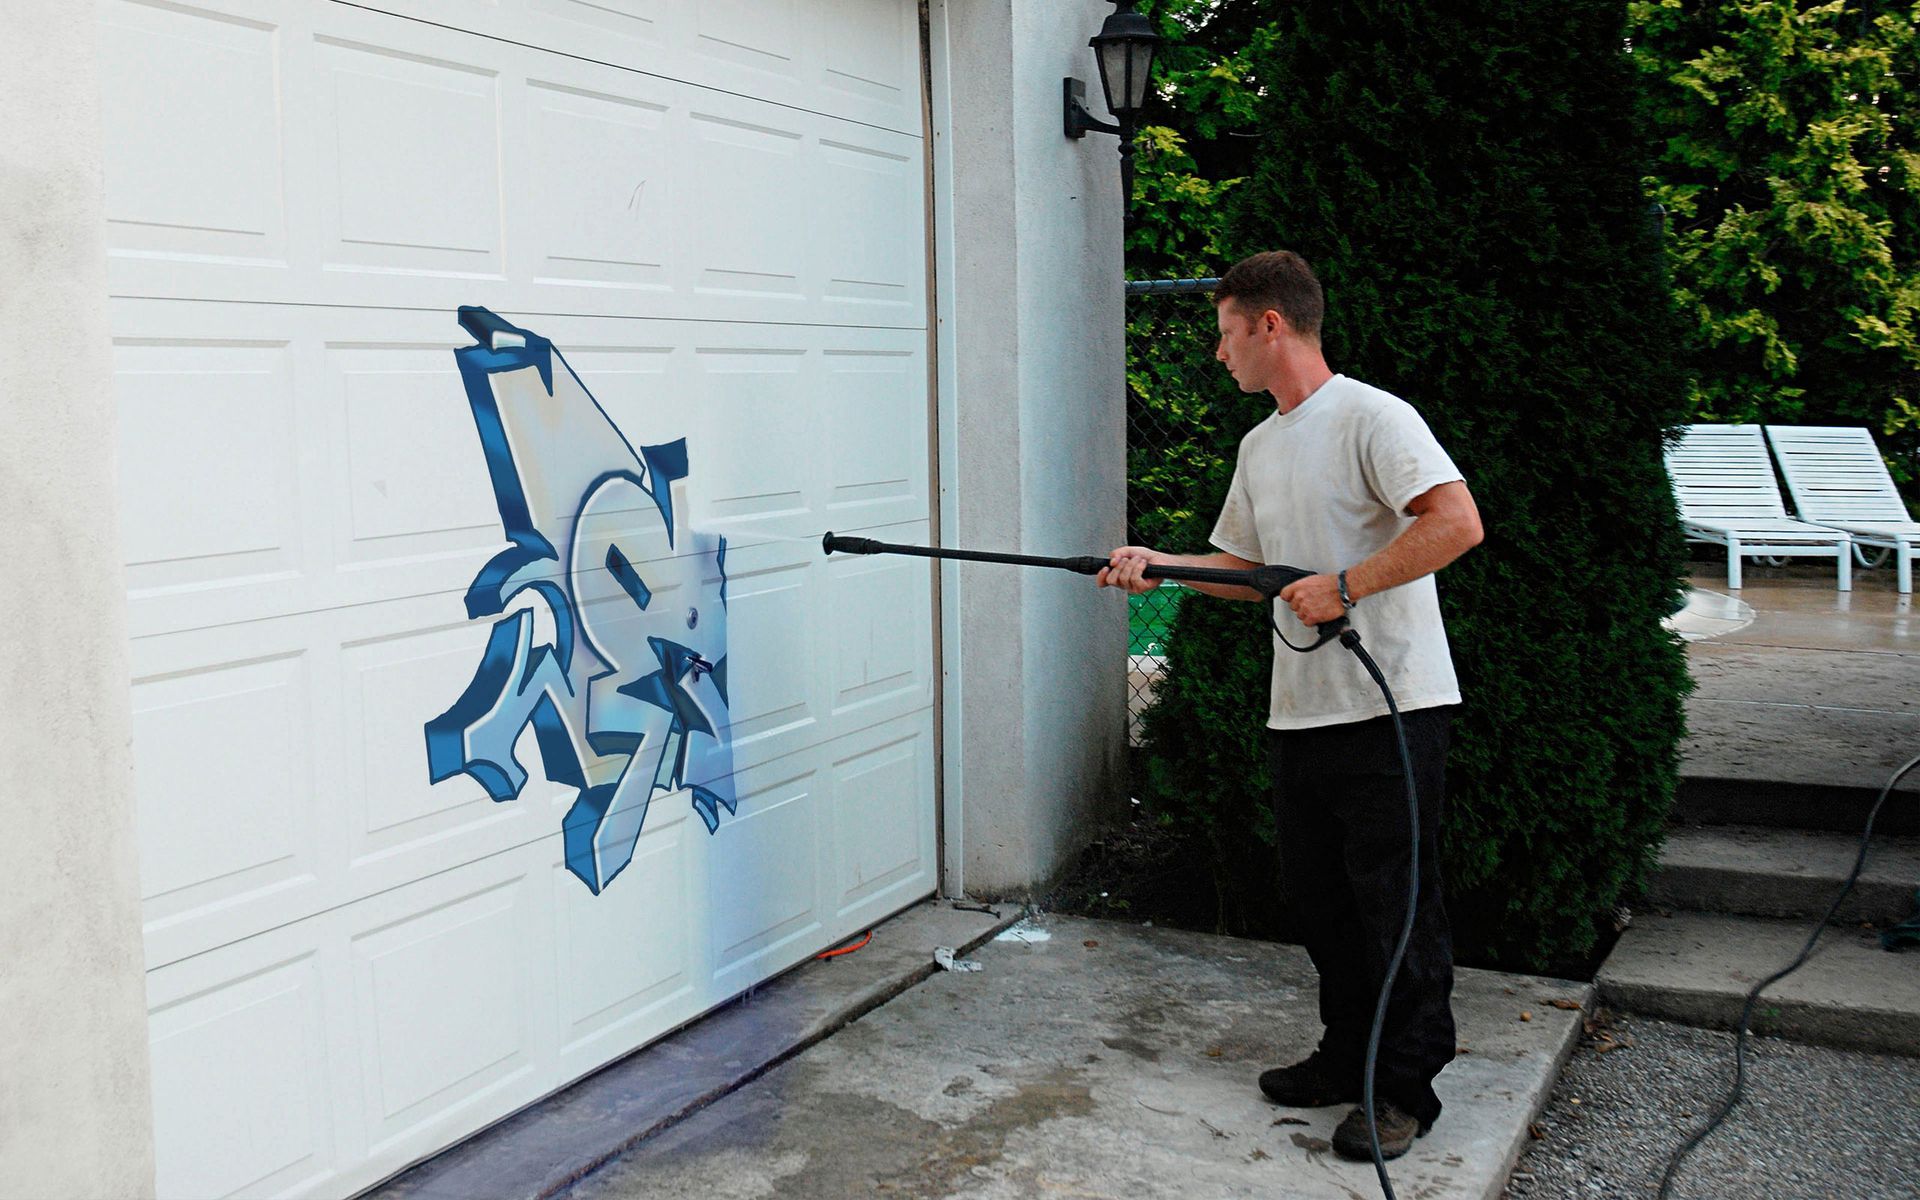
<point>1123,50</point>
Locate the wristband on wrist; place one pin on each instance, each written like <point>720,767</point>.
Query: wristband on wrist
<point>1346,600</point>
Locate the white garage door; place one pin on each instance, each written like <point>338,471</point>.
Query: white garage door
<point>399,706</point>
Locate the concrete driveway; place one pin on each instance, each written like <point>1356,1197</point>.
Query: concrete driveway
<point>1098,1059</point>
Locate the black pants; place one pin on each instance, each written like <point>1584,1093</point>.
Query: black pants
<point>1341,806</point>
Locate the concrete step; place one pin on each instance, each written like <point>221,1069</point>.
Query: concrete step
<point>1698,967</point>
<point>1713,800</point>
<point>1760,872</point>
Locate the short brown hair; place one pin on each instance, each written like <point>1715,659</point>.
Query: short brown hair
<point>1279,280</point>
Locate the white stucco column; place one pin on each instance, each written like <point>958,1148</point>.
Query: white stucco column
<point>1033,438</point>
<point>75,1111</point>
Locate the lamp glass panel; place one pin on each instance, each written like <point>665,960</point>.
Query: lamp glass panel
<point>1139,71</point>
<point>1112,57</point>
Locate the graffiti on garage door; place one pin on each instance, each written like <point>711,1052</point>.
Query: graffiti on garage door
<point>611,630</point>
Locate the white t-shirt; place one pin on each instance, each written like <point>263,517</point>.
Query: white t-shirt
<point>1321,488</point>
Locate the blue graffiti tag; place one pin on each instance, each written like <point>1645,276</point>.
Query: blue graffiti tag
<point>629,696</point>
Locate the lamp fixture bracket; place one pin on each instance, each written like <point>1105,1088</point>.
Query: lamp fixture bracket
<point>1078,121</point>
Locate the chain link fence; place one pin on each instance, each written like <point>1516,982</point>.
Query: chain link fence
<point>1171,378</point>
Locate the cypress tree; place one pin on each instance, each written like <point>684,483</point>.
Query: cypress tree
<point>1466,179</point>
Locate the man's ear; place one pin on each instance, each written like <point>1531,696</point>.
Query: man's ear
<point>1271,322</point>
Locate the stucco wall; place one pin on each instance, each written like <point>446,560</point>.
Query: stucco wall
<point>75,1117</point>
<point>1028,228</point>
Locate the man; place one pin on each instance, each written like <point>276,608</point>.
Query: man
<point>1346,479</point>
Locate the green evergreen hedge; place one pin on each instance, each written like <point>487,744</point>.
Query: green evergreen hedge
<point>1466,180</point>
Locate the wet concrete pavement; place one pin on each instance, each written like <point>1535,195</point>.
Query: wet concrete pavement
<point>1820,687</point>
<point>1108,1060</point>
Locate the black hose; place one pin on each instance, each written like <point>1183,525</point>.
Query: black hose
<point>1351,641</point>
<point>1753,997</point>
<point>1350,638</point>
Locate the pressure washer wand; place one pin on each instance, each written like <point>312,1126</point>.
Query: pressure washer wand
<point>1083,565</point>
<point>1268,580</point>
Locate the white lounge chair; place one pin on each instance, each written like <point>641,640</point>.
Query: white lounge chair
<point>1724,482</point>
<point>1838,478</point>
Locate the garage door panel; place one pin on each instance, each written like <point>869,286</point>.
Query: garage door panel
<point>266,1131</point>
<point>209,439</point>
<point>625,31</point>
<point>413,487</point>
<point>765,896</point>
<point>774,698</point>
<point>193,154</point>
<point>639,372</point>
<point>444,1000</point>
<point>602,207</point>
<point>882,644</point>
<point>398,824</point>
<point>872,57</point>
<point>765,389</point>
<point>402,824</point>
<point>876,435</point>
<point>760,34</point>
<point>867,621</point>
<point>873,618</point>
<point>232,732</point>
<point>227,767</point>
<point>883,854</point>
<point>414,158</point>
<point>630,961</point>
<point>867,275</point>
<point>854,59</point>
<point>427,167</point>
<point>792,684</point>
<point>739,163</point>
<point>227,826</point>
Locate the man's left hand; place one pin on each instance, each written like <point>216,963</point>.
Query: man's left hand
<point>1315,599</point>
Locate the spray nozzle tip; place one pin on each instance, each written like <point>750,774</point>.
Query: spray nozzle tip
<point>851,545</point>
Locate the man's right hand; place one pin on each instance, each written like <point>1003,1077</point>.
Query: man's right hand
<point>1124,567</point>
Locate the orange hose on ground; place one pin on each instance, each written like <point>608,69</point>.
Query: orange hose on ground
<point>846,949</point>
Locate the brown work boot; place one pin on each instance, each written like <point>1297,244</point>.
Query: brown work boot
<point>1397,1129</point>
<point>1310,1083</point>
